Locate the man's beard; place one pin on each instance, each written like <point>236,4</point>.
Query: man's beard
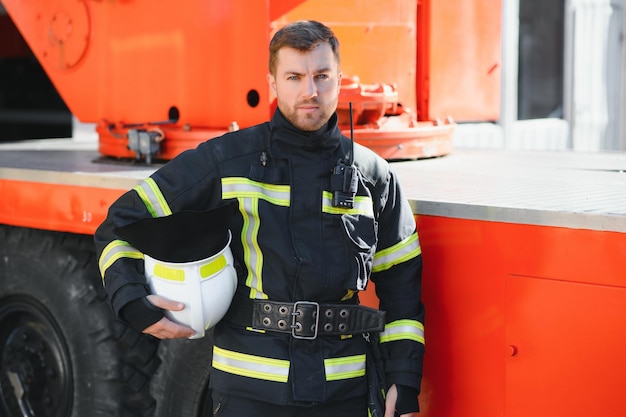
<point>308,122</point>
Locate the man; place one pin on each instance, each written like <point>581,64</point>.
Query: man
<point>302,245</point>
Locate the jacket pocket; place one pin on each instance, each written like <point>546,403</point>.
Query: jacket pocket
<point>361,234</point>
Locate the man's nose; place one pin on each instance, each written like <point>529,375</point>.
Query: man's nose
<point>310,88</point>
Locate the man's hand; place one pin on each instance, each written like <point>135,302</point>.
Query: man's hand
<point>165,328</point>
<point>390,404</point>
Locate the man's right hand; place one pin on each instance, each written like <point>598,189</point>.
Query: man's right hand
<point>165,328</point>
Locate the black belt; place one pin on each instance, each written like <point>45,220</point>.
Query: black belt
<point>306,319</point>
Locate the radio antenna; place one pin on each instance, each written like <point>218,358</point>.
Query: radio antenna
<point>351,161</point>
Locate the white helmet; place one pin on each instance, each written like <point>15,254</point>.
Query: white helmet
<point>206,287</point>
<point>187,258</point>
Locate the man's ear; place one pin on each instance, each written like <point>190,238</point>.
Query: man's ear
<point>339,76</point>
<point>271,81</point>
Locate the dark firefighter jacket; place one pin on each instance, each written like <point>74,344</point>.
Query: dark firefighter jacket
<point>289,244</point>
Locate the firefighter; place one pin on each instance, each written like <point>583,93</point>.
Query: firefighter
<point>316,217</point>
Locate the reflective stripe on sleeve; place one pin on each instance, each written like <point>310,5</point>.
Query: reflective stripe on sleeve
<point>250,366</point>
<point>362,205</point>
<point>115,250</point>
<point>403,330</point>
<point>402,251</point>
<point>152,197</point>
<point>344,368</point>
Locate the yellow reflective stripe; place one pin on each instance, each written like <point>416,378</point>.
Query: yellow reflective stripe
<point>344,368</point>
<point>252,254</point>
<point>250,366</point>
<point>362,205</point>
<point>171,274</point>
<point>115,250</point>
<point>178,274</point>
<point>403,330</point>
<point>213,267</point>
<point>402,251</point>
<point>152,197</point>
<point>248,192</point>
<point>238,187</point>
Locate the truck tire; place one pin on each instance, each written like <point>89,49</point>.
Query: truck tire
<point>182,382</point>
<point>62,352</point>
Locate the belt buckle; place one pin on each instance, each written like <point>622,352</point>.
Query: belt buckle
<point>297,325</point>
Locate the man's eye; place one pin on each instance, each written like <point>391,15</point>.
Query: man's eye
<point>292,78</point>
<point>322,76</point>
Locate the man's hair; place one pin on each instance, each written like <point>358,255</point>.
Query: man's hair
<point>303,35</point>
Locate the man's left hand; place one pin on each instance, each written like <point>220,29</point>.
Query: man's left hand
<point>390,403</point>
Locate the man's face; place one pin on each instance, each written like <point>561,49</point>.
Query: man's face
<point>306,85</point>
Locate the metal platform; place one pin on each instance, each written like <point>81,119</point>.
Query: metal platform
<point>562,189</point>
<point>68,162</point>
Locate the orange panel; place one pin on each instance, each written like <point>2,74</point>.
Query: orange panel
<point>556,294</point>
<point>131,61</point>
<point>280,7</point>
<point>62,208</point>
<point>566,344</point>
<point>459,59</point>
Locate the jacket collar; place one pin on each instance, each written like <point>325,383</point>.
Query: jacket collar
<point>285,137</point>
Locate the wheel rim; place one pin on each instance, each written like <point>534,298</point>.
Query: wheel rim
<point>35,371</point>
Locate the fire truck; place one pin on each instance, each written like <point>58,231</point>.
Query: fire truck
<point>524,251</point>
